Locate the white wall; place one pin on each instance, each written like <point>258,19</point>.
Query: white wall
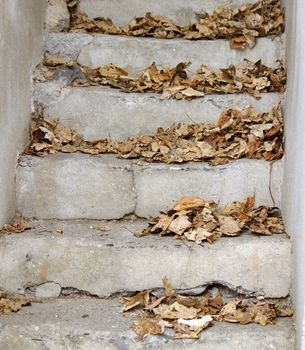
<point>21,27</point>
<point>294,179</point>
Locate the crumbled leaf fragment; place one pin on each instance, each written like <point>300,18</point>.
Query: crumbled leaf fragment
<point>18,225</point>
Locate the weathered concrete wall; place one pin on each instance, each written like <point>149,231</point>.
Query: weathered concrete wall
<point>21,27</point>
<point>294,179</point>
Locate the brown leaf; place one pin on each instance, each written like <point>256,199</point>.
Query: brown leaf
<point>147,326</point>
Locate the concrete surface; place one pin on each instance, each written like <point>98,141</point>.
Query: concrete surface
<point>21,25</point>
<point>90,324</point>
<point>100,112</point>
<point>136,54</point>
<point>75,186</point>
<point>293,188</point>
<point>177,10</point>
<point>57,16</point>
<point>79,186</point>
<point>48,290</point>
<point>103,263</point>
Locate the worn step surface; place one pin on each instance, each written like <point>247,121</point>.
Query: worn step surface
<point>178,10</point>
<point>103,263</point>
<point>136,54</point>
<point>91,324</point>
<point>79,186</point>
<point>101,112</point>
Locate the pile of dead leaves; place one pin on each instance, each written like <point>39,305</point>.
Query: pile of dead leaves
<point>189,316</point>
<point>9,305</point>
<point>250,77</point>
<point>197,220</point>
<point>241,25</point>
<point>237,134</point>
<point>18,225</point>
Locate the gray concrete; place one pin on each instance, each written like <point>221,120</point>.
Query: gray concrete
<point>49,326</point>
<point>48,290</point>
<point>90,324</point>
<point>99,112</point>
<point>294,179</point>
<point>178,10</point>
<point>57,16</point>
<point>21,26</point>
<point>78,186</point>
<point>103,263</point>
<point>158,186</point>
<point>136,54</point>
<point>75,186</point>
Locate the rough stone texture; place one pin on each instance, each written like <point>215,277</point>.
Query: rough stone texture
<point>77,186</point>
<point>168,53</point>
<point>178,10</point>
<point>21,26</point>
<point>99,112</point>
<point>57,16</point>
<point>48,290</point>
<point>65,45</point>
<point>103,263</point>
<point>90,324</point>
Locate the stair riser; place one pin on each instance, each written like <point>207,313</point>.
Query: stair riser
<point>79,186</point>
<point>101,113</point>
<point>136,54</point>
<point>178,10</point>
<point>106,263</point>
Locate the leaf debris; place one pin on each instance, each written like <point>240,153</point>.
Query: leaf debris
<point>241,25</point>
<point>18,225</point>
<point>237,134</point>
<point>188,316</point>
<point>250,77</point>
<point>9,305</point>
<point>197,220</point>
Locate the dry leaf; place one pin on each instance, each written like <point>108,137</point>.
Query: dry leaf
<point>250,77</point>
<point>237,134</point>
<point>141,298</point>
<point>18,225</point>
<point>189,316</point>
<point>101,228</point>
<point>241,25</point>
<point>8,305</point>
<point>203,222</point>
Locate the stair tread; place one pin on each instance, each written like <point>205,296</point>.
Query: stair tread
<point>103,263</point>
<point>100,112</point>
<point>97,324</point>
<point>105,187</point>
<point>136,53</point>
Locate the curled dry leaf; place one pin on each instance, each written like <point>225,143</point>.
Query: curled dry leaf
<point>207,223</point>
<point>241,25</point>
<point>251,77</point>
<point>18,225</point>
<point>188,316</point>
<point>100,228</point>
<point>234,136</point>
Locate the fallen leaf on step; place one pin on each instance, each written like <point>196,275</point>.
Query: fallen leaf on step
<point>18,225</point>
<point>241,25</point>
<point>250,77</point>
<point>8,305</point>
<point>187,316</point>
<point>141,298</point>
<point>197,220</point>
<point>237,134</point>
<point>147,326</point>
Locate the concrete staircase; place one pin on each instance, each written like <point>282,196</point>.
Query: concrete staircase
<point>69,192</point>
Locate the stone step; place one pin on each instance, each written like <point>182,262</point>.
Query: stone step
<point>103,263</point>
<point>101,112</point>
<point>179,10</point>
<point>79,186</point>
<point>92,324</point>
<point>136,54</point>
